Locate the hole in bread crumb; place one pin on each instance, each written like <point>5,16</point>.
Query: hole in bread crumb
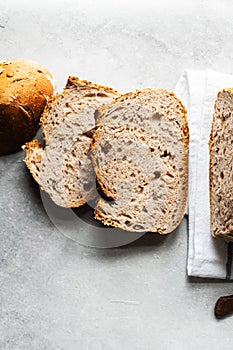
<point>90,94</point>
<point>129,142</point>
<point>157,174</point>
<point>170,175</point>
<point>221,175</point>
<point>138,227</point>
<point>101,193</point>
<point>140,189</point>
<point>102,94</point>
<point>126,215</point>
<point>165,154</point>
<point>156,116</point>
<point>106,147</point>
<point>128,223</point>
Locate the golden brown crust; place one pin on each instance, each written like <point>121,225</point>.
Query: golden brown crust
<point>25,87</point>
<point>16,126</point>
<point>76,81</point>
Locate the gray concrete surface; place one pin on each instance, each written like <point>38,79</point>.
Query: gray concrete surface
<point>54,293</point>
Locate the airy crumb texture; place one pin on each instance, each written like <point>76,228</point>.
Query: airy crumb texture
<point>221,166</point>
<point>76,96</point>
<point>64,168</point>
<point>140,156</point>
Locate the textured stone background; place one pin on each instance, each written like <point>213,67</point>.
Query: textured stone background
<point>54,293</point>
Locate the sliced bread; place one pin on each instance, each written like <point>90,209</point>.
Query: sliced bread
<point>221,166</point>
<point>140,156</point>
<point>64,168</point>
<point>34,152</point>
<point>78,95</point>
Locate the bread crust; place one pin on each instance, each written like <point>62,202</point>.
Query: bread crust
<point>75,81</point>
<point>34,151</point>
<point>25,87</point>
<point>133,95</point>
<point>227,238</point>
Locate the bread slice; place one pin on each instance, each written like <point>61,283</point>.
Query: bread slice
<point>140,156</point>
<point>221,166</point>
<point>34,152</point>
<point>64,168</point>
<point>76,96</point>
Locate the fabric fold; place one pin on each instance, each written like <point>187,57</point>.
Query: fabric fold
<point>207,256</point>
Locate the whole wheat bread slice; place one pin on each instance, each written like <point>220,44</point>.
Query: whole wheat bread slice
<point>221,166</point>
<point>140,156</point>
<point>78,95</point>
<point>64,168</point>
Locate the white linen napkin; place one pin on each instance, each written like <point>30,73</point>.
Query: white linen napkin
<point>207,256</point>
